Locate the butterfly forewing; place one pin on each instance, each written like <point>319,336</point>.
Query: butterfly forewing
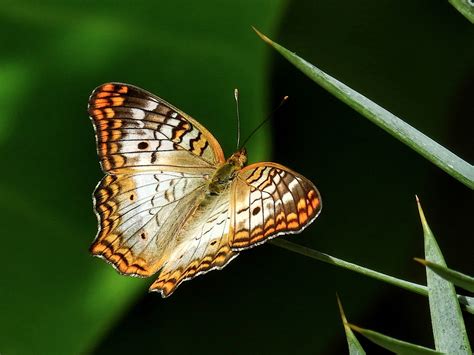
<point>137,131</point>
<point>269,199</point>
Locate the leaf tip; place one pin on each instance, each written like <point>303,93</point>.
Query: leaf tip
<point>341,310</point>
<point>262,36</point>
<point>424,223</point>
<point>421,261</point>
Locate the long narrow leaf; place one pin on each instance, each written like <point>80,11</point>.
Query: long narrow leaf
<point>446,318</point>
<point>465,7</point>
<point>354,346</point>
<point>431,150</point>
<point>392,344</point>
<point>459,279</point>
<point>468,302</point>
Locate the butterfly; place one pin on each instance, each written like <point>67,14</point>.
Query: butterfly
<point>170,203</point>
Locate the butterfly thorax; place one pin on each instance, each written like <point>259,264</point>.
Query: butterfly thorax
<point>224,174</point>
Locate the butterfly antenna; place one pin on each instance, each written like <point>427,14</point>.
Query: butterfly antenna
<point>236,97</point>
<point>265,120</point>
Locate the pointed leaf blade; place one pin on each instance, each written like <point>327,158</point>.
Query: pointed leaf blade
<point>431,150</point>
<point>392,344</point>
<point>467,302</point>
<point>354,346</point>
<point>448,325</point>
<point>457,278</point>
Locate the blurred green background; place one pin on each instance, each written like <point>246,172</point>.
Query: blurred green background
<point>415,58</point>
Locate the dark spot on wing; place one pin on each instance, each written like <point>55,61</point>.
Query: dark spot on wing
<point>142,145</point>
<point>256,210</point>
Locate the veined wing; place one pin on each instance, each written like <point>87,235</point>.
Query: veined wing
<point>140,214</point>
<point>202,245</point>
<point>269,199</point>
<point>137,131</point>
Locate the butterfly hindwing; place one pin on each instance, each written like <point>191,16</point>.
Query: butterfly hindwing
<point>201,246</point>
<point>138,131</point>
<point>269,199</point>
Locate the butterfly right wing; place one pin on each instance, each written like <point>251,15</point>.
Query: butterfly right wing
<point>268,200</point>
<point>138,214</point>
<point>137,131</point>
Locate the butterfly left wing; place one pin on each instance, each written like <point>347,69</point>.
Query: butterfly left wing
<point>157,160</point>
<point>268,200</point>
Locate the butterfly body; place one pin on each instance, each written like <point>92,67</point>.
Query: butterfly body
<point>224,174</point>
<point>170,202</point>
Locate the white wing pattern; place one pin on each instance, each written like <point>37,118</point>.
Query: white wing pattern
<point>269,200</point>
<point>137,215</point>
<point>170,203</point>
<point>202,245</point>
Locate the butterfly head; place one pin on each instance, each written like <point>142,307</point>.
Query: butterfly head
<point>238,159</point>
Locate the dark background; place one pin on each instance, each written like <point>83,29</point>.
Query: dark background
<point>415,58</point>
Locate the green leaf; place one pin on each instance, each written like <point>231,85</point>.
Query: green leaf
<point>465,7</point>
<point>448,325</point>
<point>468,302</point>
<point>354,346</point>
<point>392,344</point>
<point>431,150</point>
<point>459,279</point>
